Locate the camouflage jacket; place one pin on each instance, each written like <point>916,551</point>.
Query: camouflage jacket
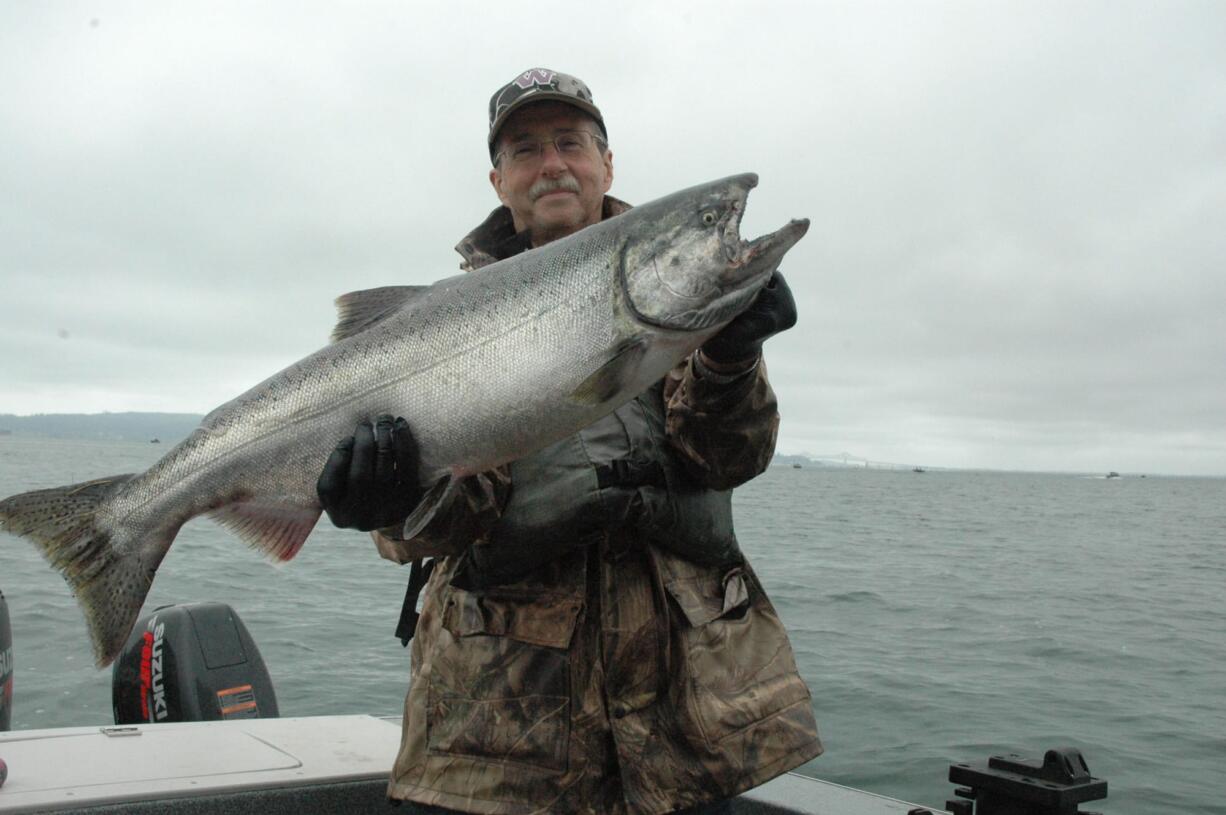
<point>617,677</point>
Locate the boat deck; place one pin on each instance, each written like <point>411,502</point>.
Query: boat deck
<point>318,764</point>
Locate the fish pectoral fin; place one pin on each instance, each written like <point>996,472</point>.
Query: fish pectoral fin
<point>613,377</point>
<point>439,496</point>
<point>276,529</point>
<point>359,310</point>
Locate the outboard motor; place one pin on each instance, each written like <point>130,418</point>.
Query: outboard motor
<point>191,663</point>
<point>6,667</point>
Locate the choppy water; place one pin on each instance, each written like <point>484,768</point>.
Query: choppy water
<point>937,617</point>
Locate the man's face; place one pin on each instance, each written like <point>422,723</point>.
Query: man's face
<point>552,194</point>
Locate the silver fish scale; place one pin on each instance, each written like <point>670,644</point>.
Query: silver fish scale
<point>486,367</point>
<point>481,366</point>
<point>537,330</point>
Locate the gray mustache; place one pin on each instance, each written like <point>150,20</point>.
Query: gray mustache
<point>547,185</point>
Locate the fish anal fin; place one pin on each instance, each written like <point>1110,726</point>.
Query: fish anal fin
<point>276,529</point>
<point>613,377</point>
<point>359,310</point>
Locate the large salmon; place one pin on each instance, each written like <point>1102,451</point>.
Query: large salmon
<point>487,367</point>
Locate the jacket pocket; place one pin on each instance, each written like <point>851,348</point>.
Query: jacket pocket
<point>738,666</point>
<point>500,680</point>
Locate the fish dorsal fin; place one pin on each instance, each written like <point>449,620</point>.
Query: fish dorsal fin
<point>613,377</point>
<point>276,529</point>
<point>359,310</point>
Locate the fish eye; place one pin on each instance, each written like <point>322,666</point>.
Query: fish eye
<point>709,217</point>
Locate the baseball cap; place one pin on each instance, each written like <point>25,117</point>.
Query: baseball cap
<point>540,85</point>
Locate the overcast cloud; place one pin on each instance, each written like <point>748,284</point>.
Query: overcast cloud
<point>1016,258</point>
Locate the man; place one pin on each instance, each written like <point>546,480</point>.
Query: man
<point>591,638</point>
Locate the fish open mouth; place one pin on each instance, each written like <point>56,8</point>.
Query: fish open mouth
<point>754,263</point>
<point>769,249</point>
<point>763,252</point>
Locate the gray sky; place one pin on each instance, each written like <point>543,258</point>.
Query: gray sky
<point>1016,258</point>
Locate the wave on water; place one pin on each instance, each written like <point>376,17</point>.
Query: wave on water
<point>856,597</point>
<point>984,613</point>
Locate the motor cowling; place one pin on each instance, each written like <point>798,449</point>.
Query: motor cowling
<point>190,663</point>
<point>6,667</point>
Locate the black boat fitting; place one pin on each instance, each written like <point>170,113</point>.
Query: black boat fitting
<point>1012,785</point>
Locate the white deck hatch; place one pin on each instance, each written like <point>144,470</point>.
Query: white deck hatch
<point>89,766</point>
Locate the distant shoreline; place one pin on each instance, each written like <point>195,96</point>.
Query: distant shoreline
<point>171,428</point>
<point>128,426</point>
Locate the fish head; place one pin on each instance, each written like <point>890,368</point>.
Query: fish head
<point>684,264</point>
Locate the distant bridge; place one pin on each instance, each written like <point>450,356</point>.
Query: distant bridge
<point>849,460</point>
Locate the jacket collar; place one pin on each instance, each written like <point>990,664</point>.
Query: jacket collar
<point>495,238</point>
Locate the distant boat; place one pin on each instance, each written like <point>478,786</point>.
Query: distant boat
<point>917,469</point>
<point>155,441</point>
<point>1113,474</point>
<point>796,466</point>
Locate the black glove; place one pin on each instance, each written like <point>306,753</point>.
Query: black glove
<point>370,480</point>
<point>773,310</point>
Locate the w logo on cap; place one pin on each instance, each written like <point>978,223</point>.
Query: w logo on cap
<point>536,76</point>
<point>539,85</point>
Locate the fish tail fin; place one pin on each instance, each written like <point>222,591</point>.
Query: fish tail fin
<point>110,582</point>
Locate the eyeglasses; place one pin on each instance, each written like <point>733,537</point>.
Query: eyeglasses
<point>568,144</point>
